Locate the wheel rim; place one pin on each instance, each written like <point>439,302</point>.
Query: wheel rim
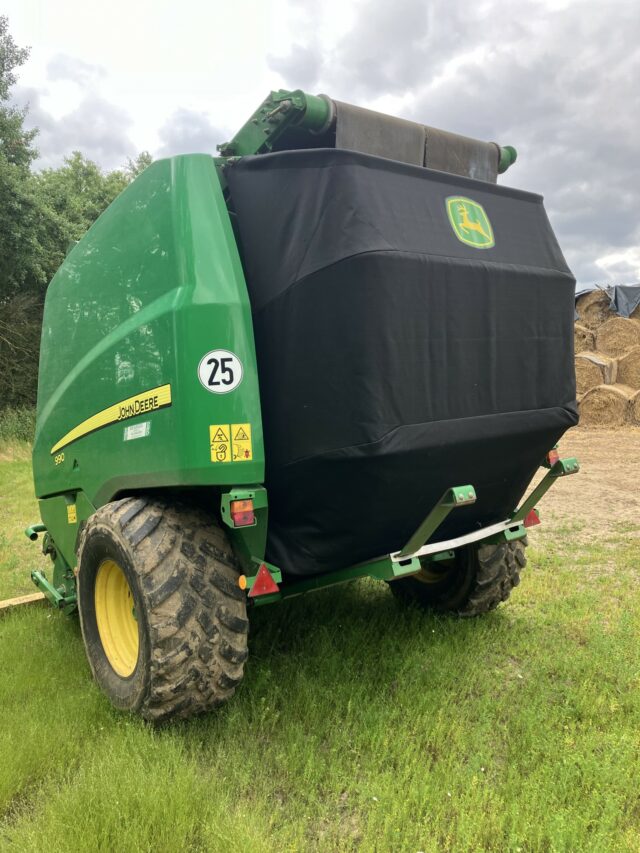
<point>434,573</point>
<point>117,624</point>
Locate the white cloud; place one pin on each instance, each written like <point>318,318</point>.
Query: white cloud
<point>189,132</point>
<point>557,79</point>
<point>622,267</point>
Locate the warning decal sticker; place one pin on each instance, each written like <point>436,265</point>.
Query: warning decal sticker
<point>220,443</point>
<point>241,436</point>
<point>230,443</point>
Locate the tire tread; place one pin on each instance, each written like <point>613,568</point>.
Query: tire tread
<point>198,630</point>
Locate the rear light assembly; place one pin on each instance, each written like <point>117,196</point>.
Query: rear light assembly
<point>552,457</point>
<point>242,513</point>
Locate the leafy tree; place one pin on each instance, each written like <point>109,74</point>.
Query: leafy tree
<point>40,214</point>
<point>31,234</point>
<point>135,167</point>
<point>16,143</point>
<point>79,191</point>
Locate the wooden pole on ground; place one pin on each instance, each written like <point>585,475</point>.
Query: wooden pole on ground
<point>9,603</point>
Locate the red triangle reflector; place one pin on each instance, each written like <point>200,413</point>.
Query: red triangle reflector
<point>264,583</point>
<point>532,519</point>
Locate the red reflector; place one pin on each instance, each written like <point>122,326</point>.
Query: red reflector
<point>242,513</point>
<point>532,519</point>
<point>264,584</point>
<point>552,457</point>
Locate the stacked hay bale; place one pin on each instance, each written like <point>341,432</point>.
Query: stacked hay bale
<point>607,349</point>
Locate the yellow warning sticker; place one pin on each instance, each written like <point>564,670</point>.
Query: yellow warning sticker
<point>219,439</point>
<point>72,513</point>
<point>241,442</point>
<point>230,443</point>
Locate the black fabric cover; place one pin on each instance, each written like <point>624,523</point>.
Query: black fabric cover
<point>394,360</point>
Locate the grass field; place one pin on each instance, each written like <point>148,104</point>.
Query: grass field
<point>359,726</point>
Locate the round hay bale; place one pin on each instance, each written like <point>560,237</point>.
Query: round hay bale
<point>593,308</point>
<point>634,409</point>
<point>588,375</point>
<point>629,368</point>
<point>593,369</point>
<point>606,406</point>
<point>617,336</point>
<point>583,338</point>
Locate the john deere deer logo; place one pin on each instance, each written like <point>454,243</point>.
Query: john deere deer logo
<point>470,223</point>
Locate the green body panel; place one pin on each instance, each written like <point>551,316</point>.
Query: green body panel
<point>62,516</point>
<point>154,285</point>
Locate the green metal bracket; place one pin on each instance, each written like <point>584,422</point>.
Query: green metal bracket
<point>57,596</point>
<point>452,498</point>
<point>249,542</point>
<point>562,468</point>
<point>384,569</point>
<point>403,563</point>
<point>279,111</point>
<point>32,531</point>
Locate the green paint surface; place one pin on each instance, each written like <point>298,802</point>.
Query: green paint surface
<point>154,286</point>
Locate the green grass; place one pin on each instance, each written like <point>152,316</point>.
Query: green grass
<point>359,726</point>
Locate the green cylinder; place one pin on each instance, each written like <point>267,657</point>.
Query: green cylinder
<point>318,114</point>
<point>508,156</point>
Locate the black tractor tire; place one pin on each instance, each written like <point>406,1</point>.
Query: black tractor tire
<point>191,615</point>
<point>476,581</point>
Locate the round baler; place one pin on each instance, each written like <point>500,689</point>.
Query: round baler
<point>337,350</point>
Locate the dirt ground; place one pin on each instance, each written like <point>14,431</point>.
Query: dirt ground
<point>606,491</point>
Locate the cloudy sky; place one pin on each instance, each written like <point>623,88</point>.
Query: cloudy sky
<point>559,80</point>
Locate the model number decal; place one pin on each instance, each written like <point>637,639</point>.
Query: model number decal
<point>220,371</point>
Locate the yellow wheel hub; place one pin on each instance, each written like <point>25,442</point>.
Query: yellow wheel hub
<point>117,624</point>
<point>431,573</point>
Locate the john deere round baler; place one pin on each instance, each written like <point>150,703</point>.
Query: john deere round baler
<point>337,350</point>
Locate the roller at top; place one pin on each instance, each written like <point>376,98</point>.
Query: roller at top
<point>288,120</point>
<point>339,350</point>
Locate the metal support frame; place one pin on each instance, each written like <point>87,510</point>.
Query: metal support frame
<point>62,592</point>
<point>452,498</point>
<point>57,596</point>
<point>562,468</point>
<point>387,568</point>
<point>407,561</point>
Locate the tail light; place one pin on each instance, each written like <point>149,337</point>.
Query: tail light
<point>552,457</point>
<point>242,513</point>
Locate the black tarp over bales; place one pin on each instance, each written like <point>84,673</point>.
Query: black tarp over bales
<point>396,361</point>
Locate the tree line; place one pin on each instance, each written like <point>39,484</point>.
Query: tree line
<point>41,214</point>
